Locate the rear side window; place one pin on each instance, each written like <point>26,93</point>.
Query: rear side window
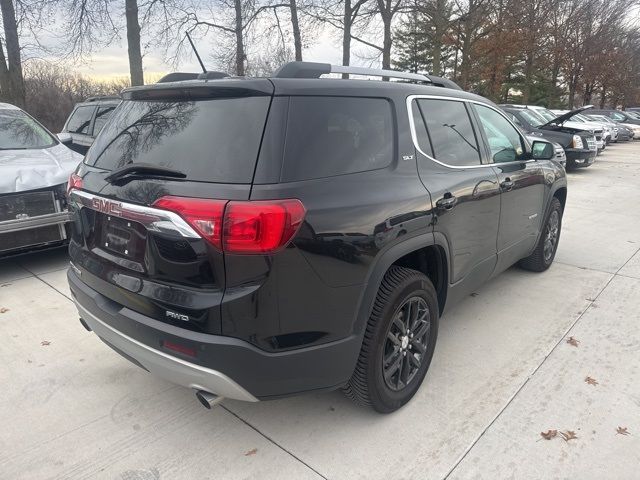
<point>208,140</point>
<point>328,136</point>
<point>80,120</point>
<point>452,137</point>
<point>101,118</point>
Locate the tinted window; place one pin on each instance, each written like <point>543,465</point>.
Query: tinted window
<point>19,131</point>
<point>80,120</point>
<point>618,116</point>
<point>452,136</point>
<point>101,118</point>
<point>209,140</point>
<point>504,140</point>
<point>329,136</point>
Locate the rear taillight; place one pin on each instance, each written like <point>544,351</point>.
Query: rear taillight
<point>205,216</point>
<point>242,227</point>
<point>262,226</point>
<point>75,181</point>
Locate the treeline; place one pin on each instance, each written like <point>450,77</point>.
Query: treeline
<point>559,53</point>
<point>51,91</point>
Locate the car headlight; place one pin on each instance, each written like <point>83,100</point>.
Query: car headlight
<point>577,142</point>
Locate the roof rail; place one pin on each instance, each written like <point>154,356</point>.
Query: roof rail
<point>102,97</point>
<point>316,70</point>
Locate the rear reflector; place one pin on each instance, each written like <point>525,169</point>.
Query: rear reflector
<point>191,352</point>
<point>242,227</point>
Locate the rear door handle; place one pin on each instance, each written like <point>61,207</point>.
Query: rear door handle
<point>447,202</point>
<point>507,185</point>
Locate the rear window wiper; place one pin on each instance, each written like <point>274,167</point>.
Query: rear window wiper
<point>144,169</point>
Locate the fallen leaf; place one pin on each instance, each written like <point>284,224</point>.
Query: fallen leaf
<point>4,310</point>
<point>568,435</point>
<point>573,342</point>
<point>332,409</point>
<point>45,343</point>
<point>591,381</point>
<point>474,294</point>
<point>5,285</point>
<point>590,299</point>
<point>251,452</point>
<point>549,434</point>
<point>622,431</point>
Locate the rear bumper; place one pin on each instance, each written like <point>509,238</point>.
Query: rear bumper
<point>226,366</point>
<point>172,369</point>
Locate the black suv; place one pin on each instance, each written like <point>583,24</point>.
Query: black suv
<point>253,238</point>
<point>86,120</point>
<point>579,145</point>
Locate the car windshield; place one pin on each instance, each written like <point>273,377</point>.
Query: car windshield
<point>633,115</point>
<point>533,118</point>
<point>600,118</point>
<point>18,131</point>
<point>545,114</point>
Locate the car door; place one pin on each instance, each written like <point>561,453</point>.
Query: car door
<point>522,185</point>
<point>464,191</point>
<point>79,126</point>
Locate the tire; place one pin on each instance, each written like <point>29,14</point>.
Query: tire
<point>543,255</point>
<point>401,289</point>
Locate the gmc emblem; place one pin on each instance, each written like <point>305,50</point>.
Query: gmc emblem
<point>107,206</point>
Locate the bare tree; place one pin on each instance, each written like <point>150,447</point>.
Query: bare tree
<point>11,79</point>
<point>133,42</point>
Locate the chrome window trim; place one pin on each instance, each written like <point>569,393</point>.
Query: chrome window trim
<point>153,219</point>
<point>414,136</point>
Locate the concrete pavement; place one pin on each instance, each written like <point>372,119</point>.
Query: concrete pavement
<point>502,373</point>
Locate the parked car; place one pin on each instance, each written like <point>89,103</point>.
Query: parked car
<point>225,230</point>
<point>34,168</point>
<point>624,134</point>
<point>579,146</point>
<point>610,134</point>
<point>87,119</point>
<point>625,117</point>
<point>567,118</point>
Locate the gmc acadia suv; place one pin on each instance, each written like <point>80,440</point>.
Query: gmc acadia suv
<point>253,238</point>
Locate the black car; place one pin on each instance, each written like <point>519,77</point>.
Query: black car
<point>87,119</point>
<point>579,146</point>
<point>253,238</point>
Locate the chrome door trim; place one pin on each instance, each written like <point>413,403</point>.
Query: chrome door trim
<point>414,136</point>
<point>153,219</point>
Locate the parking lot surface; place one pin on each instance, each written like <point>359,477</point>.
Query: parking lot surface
<point>527,353</point>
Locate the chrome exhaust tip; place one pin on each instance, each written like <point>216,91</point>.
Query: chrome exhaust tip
<point>208,399</point>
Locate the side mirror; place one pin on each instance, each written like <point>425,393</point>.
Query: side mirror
<point>65,138</point>
<point>542,151</point>
<point>505,155</point>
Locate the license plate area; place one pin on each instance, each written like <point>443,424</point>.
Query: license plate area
<point>122,237</point>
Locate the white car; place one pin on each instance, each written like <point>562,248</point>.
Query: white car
<point>34,168</point>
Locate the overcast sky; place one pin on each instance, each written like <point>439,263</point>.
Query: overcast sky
<point>112,61</point>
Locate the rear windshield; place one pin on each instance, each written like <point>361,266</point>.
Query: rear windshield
<point>208,140</point>
<point>18,131</point>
